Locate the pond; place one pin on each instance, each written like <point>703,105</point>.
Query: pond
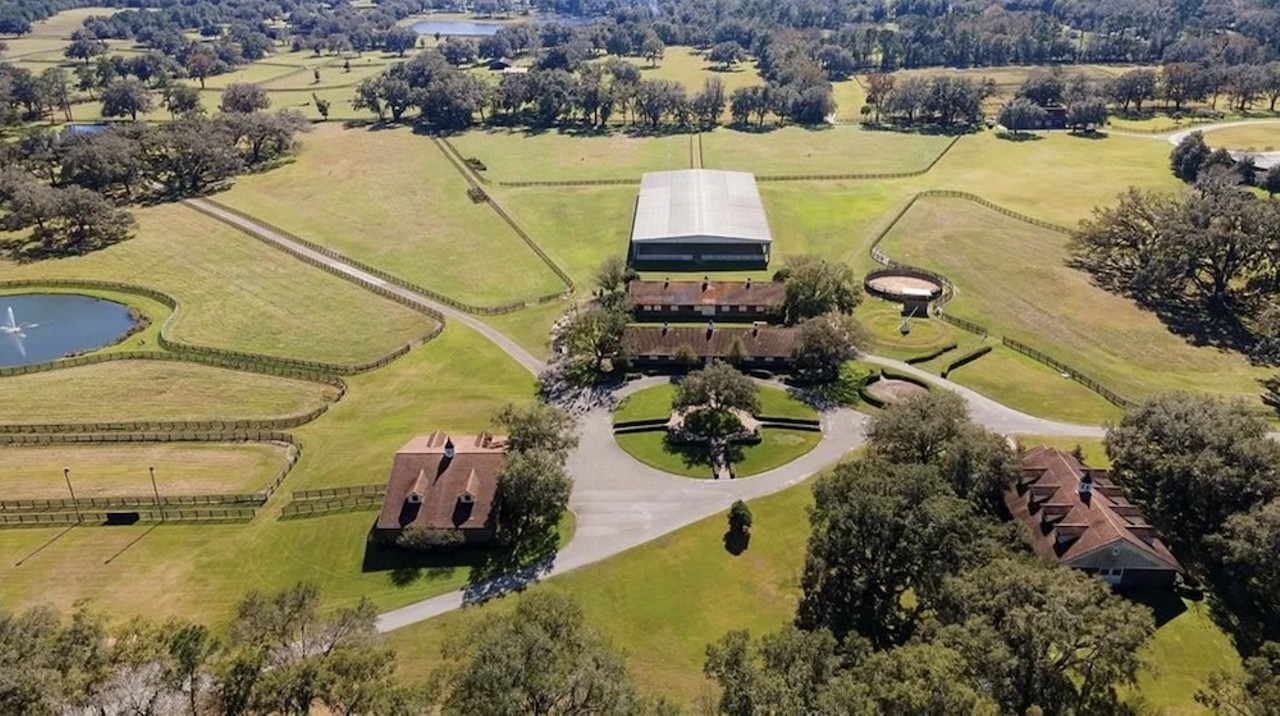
<point>481,28</point>
<point>40,327</point>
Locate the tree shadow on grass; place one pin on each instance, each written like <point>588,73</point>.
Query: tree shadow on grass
<point>1165,604</point>
<point>1191,318</point>
<point>1018,136</point>
<point>492,570</point>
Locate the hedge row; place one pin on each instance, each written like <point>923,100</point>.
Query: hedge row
<point>965,359</point>
<point>926,357</point>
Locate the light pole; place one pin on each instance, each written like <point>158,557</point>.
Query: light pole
<point>66,474</point>
<point>156,491</point>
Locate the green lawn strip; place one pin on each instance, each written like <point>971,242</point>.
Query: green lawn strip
<point>664,601</point>
<point>1023,384</point>
<point>516,155</point>
<point>654,402</point>
<point>579,227</point>
<point>530,327</point>
<point>1012,277</point>
<point>154,390</point>
<point>407,213</point>
<point>1258,137</point>
<point>1188,646</point>
<point>238,293</point>
<point>200,571</point>
<point>30,473</point>
<point>844,149</point>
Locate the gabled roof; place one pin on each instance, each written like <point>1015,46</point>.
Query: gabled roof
<point>456,491</point>
<point>758,342</point>
<point>700,205</point>
<point>1073,511</point>
<point>707,293</point>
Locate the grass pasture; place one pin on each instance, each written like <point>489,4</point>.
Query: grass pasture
<point>1012,277</point>
<point>153,390</point>
<point>200,571</point>
<point>516,155</point>
<point>831,150</point>
<point>52,34</point>
<point>1261,137</point>
<point>391,198</point>
<point>35,473</point>
<point>236,292</point>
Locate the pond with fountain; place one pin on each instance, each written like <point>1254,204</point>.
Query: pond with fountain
<point>42,327</point>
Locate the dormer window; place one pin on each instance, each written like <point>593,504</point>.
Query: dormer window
<point>466,498</point>
<point>448,449</point>
<point>414,498</point>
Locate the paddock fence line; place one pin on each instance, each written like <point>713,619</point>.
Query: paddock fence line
<point>233,436</point>
<point>325,493</point>
<point>455,158</point>
<point>367,268</point>
<point>880,257</point>
<point>1109,395</point>
<point>216,425</point>
<point>91,518</point>
<point>334,506</point>
<point>139,501</point>
<point>279,366</point>
<point>859,176</point>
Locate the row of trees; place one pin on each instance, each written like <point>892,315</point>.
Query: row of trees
<point>289,653</point>
<point>449,98</point>
<point>918,599</point>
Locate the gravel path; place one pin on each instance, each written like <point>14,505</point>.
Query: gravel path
<point>618,502</point>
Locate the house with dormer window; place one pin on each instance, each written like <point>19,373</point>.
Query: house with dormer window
<point>1078,516</point>
<point>443,482</point>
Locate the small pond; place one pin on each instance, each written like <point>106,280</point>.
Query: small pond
<point>40,327</point>
<point>481,28</point>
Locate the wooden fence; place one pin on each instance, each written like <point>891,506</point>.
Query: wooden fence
<point>1079,377</point>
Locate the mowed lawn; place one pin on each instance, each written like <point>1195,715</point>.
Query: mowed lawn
<point>29,473</point>
<point>390,198</point>
<point>200,571</point>
<point>236,292</point>
<point>1262,137</point>
<point>517,155</point>
<point>843,149</point>
<point>1012,277</point>
<point>1023,384</point>
<point>52,34</point>
<point>1056,177</point>
<point>153,390</point>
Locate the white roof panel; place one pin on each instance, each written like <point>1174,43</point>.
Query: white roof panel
<point>700,204</point>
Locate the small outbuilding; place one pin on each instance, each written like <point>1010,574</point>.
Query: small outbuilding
<point>501,63</point>
<point>443,482</point>
<point>1078,516</point>
<point>697,219</point>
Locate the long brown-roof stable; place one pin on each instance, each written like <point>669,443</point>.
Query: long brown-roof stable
<point>1073,512</point>
<point>443,482</point>
<point>766,294</point>
<point>710,341</point>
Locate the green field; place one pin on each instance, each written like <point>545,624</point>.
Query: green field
<point>1012,277</point>
<point>33,473</point>
<point>1023,384</point>
<point>236,292</point>
<point>1262,137</point>
<point>201,571</point>
<point>515,155</point>
<point>829,150</point>
<point>390,198</point>
<point>154,390</point>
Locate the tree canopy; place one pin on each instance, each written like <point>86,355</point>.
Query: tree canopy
<point>719,386</point>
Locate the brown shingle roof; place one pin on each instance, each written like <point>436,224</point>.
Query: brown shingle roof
<point>423,470</point>
<point>1064,524</point>
<point>707,293</point>
<point>759,342</point>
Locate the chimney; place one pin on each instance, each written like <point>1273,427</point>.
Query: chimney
<point>711,328</point>
<point>748,282</point>
<point>448,449</point>
<point>666,282</point>
<point>1086,487</point>
<point>755,328</point>
<point>665,326</point>
<point>706,282</point>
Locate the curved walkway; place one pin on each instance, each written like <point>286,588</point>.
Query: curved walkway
<point>618,501</point>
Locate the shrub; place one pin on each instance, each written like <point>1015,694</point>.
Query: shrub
<point>422,539</point>
<point>740,518</point>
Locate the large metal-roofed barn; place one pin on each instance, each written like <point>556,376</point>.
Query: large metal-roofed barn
<point>700,218</point>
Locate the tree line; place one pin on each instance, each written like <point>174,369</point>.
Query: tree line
<point>69,190</point>
<point>917,598</point>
